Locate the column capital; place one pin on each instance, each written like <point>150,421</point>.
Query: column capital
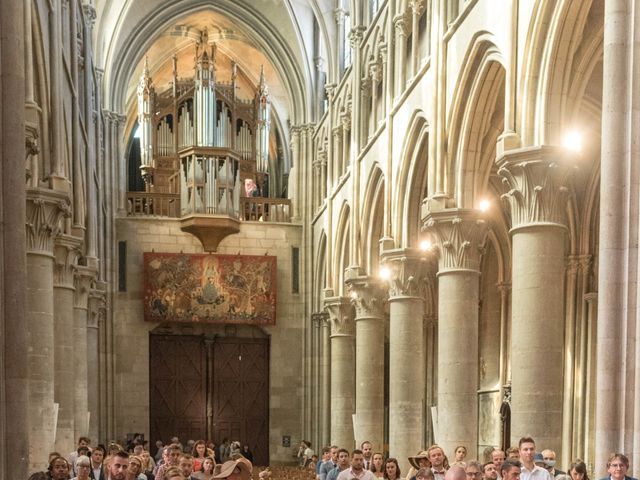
<point>417,7</point>
<point>341,316</point>
<point>355,36</point>
<point>84,277</point>
<point>330,89</point>
<point>405,271</point>
<point>45,210</point>
<point>66,252</point>
<point>318,318</point>
<point>367,296</point>
<point>400,24</point>
<point>97,304</point>
<point>89,15</point>
<point>458,234</point>
<point>537,181</point>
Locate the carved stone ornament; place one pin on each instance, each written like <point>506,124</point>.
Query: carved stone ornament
<point>341,316</point>
<point>367,296</point>
<point>406,270</point>
<point>537,181</point>
<point>84,278</point>
<point>317,319</point>
<point>45,210</point>
<point>66,253</point>
<point>458,234</point>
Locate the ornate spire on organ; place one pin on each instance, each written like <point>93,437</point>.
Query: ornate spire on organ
<point>203,141</point>
<point>146,97</point>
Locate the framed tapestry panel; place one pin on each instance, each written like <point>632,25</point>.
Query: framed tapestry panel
<point>207,288</point>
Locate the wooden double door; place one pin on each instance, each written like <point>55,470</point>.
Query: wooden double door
<point>210,389</point>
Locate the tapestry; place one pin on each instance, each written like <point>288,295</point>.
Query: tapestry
<point>210,288</point>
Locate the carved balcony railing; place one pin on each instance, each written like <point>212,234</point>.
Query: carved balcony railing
<point>265,209</point>
<point>143,204</point>
<point>258,209</point>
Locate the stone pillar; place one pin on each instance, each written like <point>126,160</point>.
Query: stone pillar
<point>325,375</point>
<point>342,371</point>
<point>45,209</point>
<point>67,251</point>
<point>83,279</point>
<point>368,298</point>
<point>97,311</point>
<point>406,352</point>
<point>458,233</point>
<point>400,24</point>
<point>615,404</point>
<point>536,180</point>
<point>14,368</point>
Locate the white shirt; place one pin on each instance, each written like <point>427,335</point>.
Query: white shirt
<point>348,474</point>
<point>538,473</point>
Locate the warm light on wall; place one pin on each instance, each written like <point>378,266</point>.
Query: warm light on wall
<point>573,141</point>
<point>425,245</point>
<point>385,273</point>
<point>484,205</point>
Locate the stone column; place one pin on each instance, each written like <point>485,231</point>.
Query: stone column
<point>325,376</point>
<point>458,234</point>
<point>400,24</point>
<point>67,251</point>
<point>45,209</point>
<point>83,279</point>
<point>406,352</point>
<point>617,243</point>
<point>368,298</point>
<point>14,368</point>
<point>536,179</point>
<point>97,311</point>
<point>342,371</point>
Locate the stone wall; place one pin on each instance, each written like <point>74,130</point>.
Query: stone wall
<point>131,332</point>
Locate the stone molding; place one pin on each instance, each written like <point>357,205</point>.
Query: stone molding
<point>367,296</point>
<point>537,181</point>
<point>458,234</point>
<point>97,303</point>
<point>341,316</point>
<point>45,210</point>
<point>66,252</point>
<point>407,269</point>
<point>318,318</point>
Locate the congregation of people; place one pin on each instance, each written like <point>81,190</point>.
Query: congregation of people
<point>199,460</point>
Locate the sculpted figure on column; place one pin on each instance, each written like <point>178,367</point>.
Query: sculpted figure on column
<point>538,182</point>
<point>458,235</point>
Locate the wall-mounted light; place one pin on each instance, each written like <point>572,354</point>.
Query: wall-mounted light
<point>573,141</point>
<point>384,273</point>
<point>425,245</point>
<point>484,205</point>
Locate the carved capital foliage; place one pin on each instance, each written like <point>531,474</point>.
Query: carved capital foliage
<point>45,211</point>
<point>417,7</point>
<point>407,270</point>
<point>330,89</point>
<point>318,319</point>
<point>66,252</point>
<point>537,181</point>
<point>400,24</point>
<point>367,296</point>
<point>89,14</point>
<point>341,316</point>
<point>97,305</point>
<point>458,234</point>
<point>84,278</point>
<point>355,36</point>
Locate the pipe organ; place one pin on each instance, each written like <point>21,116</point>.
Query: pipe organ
<point>198,139</point>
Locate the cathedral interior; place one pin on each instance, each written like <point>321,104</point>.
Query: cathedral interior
<point>402,221</point>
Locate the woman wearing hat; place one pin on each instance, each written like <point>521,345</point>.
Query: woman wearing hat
<point>239,469</point>
<point>421,460</point>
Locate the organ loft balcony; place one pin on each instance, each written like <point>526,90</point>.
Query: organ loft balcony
<point>206,156</point>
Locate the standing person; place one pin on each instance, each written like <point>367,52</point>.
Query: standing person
<point>170,456</point>
<point>185,463</point>
<point>206,470</point>
<point>233,470</point>
<point>473,470</point>
<point>329,465</point>
<point>439,461</point>
<point>159,449</point>
<point>510,470</point>
<point>83,467</point>
<point>421,460</point>
<point>147,467</point>
<point>578,470</point>
<point>82,442</point>
<point>367,452</point>
<point>97,469</point>
<point>391,469</point>
<point>224,453</point>
<point>618,466</point>
<point>199,453</point>
<point>118,466</point>
<point>549,457</point>
<point>377,465</point>
<point>59,468</point>
<point>489,471</point>
<point>356,470</point>
<point>529,470</point>
<point>343,464</point>
<point>134,472</point>
<point>460,453</point>
<point>326,456</point>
